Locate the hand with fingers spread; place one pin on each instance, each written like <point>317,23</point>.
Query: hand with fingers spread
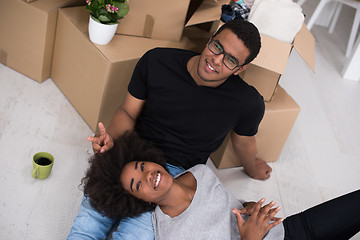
<point>258,224</point>
<point>101,142</point>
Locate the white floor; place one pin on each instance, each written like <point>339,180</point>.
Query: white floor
<point>320,160</point>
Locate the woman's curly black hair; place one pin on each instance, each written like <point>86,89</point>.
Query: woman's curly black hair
<point>102,180</point>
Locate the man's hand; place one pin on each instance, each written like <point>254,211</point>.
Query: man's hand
<point>263,170</point>
<point>102,142</point>
<point>257,225</point>
<point>245,149</point>
<point>248,209</point>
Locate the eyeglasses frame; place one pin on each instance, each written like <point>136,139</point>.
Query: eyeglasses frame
<point>225,54</point>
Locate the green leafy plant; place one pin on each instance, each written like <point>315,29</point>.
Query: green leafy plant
<point>107,11</point>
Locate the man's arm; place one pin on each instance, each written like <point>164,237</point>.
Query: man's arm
<point>245,149</point>
<point>124,119</point>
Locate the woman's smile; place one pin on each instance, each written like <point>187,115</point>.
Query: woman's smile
<point>146,180</point>
<point>157,180</point>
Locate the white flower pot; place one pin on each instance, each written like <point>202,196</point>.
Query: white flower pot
<point>99,33</point>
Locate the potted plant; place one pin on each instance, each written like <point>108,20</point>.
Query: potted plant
<point>104,19</point>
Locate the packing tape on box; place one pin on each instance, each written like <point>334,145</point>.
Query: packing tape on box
<point>3,57</point>
<point>149,25</point>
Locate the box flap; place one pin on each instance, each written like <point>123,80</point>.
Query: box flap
<point>273,54</point>
<point>304,43</point>
<point>208,11</point>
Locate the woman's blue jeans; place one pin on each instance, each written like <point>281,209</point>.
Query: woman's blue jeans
<point>90,224</point>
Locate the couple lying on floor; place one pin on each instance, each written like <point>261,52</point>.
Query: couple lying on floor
<point>132,180</point>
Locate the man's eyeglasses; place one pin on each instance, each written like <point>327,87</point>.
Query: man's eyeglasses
<point>216,48</point>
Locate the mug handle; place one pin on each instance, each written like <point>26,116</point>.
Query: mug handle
<point>35,172</point>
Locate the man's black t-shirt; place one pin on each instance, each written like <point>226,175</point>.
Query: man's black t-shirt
<point>186,121</point>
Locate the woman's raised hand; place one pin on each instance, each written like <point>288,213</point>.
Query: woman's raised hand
<point>101,142</point>
<point>258,224</point>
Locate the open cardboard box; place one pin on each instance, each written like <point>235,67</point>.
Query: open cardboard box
<point>94,78</point>
<point>280,116</point>
<point>26,42</point>
<point>157,19</point>
<point>266,69</point>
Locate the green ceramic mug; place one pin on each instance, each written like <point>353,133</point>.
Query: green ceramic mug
<point>42,165</point>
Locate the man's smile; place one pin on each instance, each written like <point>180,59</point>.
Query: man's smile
<point>211,68</point>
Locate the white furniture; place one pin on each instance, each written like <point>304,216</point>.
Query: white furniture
<point>351,70</point>
<point>352,3</point>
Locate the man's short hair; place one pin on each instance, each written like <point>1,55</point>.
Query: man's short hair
<point>246,32</point>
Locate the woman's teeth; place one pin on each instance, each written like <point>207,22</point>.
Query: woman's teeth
<point>157,180</point>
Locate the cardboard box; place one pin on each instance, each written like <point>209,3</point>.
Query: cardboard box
<point>209,11</point>
<point>27,33</point>
<point>279,118</point>
<point>94,78</point>
<point>265,70</point>
<point>198,36</point>
<point>157,19</point>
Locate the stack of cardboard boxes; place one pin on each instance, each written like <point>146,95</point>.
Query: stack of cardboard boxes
<point>94,78</point>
